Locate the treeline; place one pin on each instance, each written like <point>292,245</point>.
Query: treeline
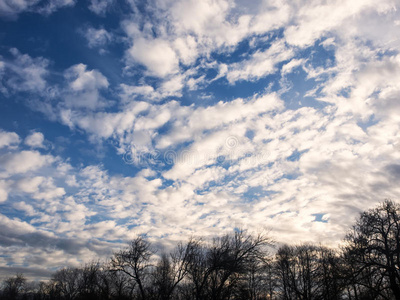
<point>238,266</point>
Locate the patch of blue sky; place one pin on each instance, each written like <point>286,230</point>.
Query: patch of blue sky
<point>243,89</point>
<point>298,83</point>
<point>345,92</point>
<point>43,39</point>
<point>102,216</point>
<point>296,89</point>
<point>119,164</point>
<point>289,176</point>
<point>318,55</point>
<point>296,97</point>
<point>365,124</point>
<point>17,117</point>
<point>320,218</point>
<point>214,184</point>
<point>14,213</point>
<point>295,156</point>
<point>256,193</point>
<point>280,213</point>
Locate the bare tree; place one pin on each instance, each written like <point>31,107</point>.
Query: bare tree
<point>13,286</point>
<point>309,272</point>
<point>332,279</point>
<point>172,269</point>
<point>216,271</point>
<point>65,283</point>
<point>89,280</point>
<point>373,250</point>
<point>135,261</point>
<point>258,281</point>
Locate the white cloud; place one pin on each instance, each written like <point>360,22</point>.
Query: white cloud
<point>186,48</point>
<point>30,185</point>
<point>54,5</point>
<point>15,226</point>
<point>103,124</point>
<point>74,212</point>
<point>291,65</point>
<point>80,79</point>
<point>97,37</point>
<point>11,9</point>
<point>26,74</point>
<point>24,161</point>
<point>28,209</point>
<point>195,121</point>
<point>35,140</point>
<point>291,189</point>
<point>4,190</point>
<point>100,7</point>
<point>172,86</point>
<point>188,30</point>
<point>315,19</point>
<point>8,139</point>
<point>84,86</point>
<point>156,55</point>
<point>143,92</point>
<point>225,23</point>
<point>40,188</point>
<point>259,64</point>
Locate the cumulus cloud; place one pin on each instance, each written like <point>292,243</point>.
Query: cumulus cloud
<point>80,79</point>
<point>84,86</point>
<point>129,93</point>
<point>4,189</point>
<point>8,139</point>
<point>31,184</point>
<point>24,161</point>
<point>28,209</point>
<point>97,37</point>
<point>219,23</point>
<point>156,55</point>
<point>35,140</point>
<point>26,74</point>
<point>216,117</point>
<point>189,30</point>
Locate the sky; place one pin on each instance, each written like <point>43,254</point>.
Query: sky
<point>180,118</point>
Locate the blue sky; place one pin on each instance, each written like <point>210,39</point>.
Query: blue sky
<point>191,118</point>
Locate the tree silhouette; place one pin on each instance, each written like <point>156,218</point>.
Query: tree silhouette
<point>134,261</point>
<point>13,286</point>
<point>373,250</point>
<point>171,269</point>
<point>309,272</point>
<point>216,271</point>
